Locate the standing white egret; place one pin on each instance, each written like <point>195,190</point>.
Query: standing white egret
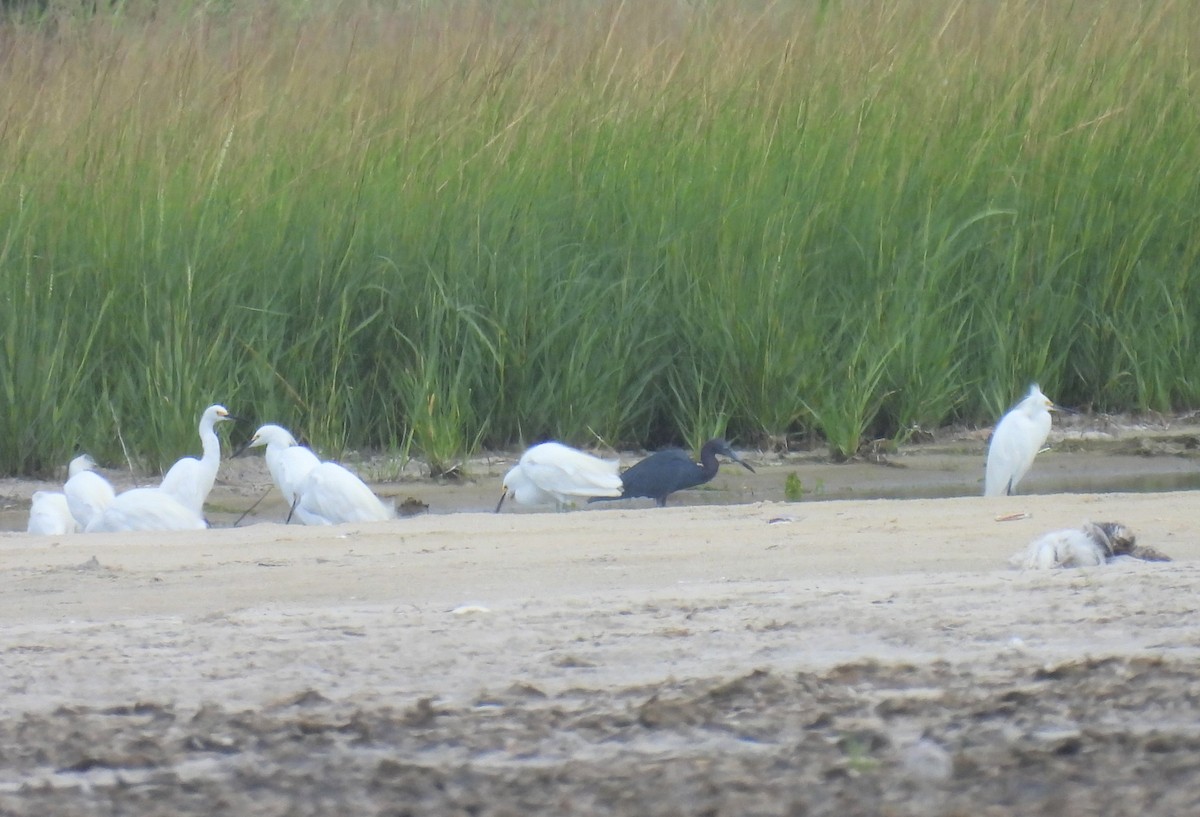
<point>49,514</point>
<point>331,494</point>
<point>88,493</point>
<point>1016,440</point>
<point>287,460</point>
<point>318,493</point>
<point>190,480</point>
<point>553,473</point>
<point>146,509</point>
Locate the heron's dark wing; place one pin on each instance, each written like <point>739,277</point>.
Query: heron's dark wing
<point>660,474</point>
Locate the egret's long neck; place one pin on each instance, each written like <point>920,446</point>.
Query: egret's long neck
<point>274,453</point>
<point>211,445</point>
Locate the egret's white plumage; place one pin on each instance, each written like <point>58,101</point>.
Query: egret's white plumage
<point>146,509</point>
<point>332,494</point>
<point>288,461</point>
<point>1016,440</point>
<point>190,480</point>
<point>50,515</point>
<point>555,474</point>
<point>87,493</point>
<point>319,493</point>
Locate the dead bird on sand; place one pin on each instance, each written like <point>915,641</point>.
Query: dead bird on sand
<point>1092,544</point>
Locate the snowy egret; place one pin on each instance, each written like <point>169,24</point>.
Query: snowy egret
<point>332,494</point>
<point>1016,440</point>
<point>1092,544</point>
<point>665,472</point>
<point>318,493</point>
<point>287,460</point>
<point>190,480</point>
<point>146,509</point>
<point>88,493</point>
<point>555,474</point>
<point>50,515</point>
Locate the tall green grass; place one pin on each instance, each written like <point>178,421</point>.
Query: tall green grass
<point>434,227</point>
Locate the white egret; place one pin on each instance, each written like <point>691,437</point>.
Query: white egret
<point>331,494</point>
<point>555,474</point>
<point>88,493</point>
<point>287,460</point>
<point>146,509</point>
<point>1016,440</point>
<point>190,480</point>
<point>319,493</point>
<point>50,515</point>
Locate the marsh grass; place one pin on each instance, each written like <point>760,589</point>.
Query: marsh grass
<point>433,227</point>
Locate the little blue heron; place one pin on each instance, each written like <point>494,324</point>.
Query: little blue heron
<point>190,480</point>
<point>665,472</point>
<point>1017,439</point>
<point>553,473</point>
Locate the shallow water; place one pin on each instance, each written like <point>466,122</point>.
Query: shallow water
<point>917,472</point>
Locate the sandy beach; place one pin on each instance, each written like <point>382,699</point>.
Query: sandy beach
<point>760,657</point>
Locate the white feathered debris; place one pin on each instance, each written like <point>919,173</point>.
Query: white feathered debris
<point>1090,545</point>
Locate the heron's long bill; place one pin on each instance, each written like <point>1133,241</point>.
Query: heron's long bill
<point>744,464</point>
<point>501,502</point>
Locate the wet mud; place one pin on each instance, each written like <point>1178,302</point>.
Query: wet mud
<point>1077,738</point>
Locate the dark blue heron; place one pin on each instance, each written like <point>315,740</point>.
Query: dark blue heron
<point>665,472</point>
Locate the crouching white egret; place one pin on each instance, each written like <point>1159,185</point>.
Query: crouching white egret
<point>49,514</point>
<point>332,494</point>
<point>83,496</point>
<point>88,493</point>
<point>190,480</point>
<point>146,509</point>
<point>555,474</point>
<point>319,493</point>
<point>665,472</point>
<point>1016,440</point>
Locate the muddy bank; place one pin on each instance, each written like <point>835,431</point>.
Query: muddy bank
<point>1093,736</point>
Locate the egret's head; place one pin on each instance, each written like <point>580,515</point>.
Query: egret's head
<point>513,480</point>
<point>1039,401</point>
<point>271,434</point>
<point>80,464</point>
<point>213,415</point>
